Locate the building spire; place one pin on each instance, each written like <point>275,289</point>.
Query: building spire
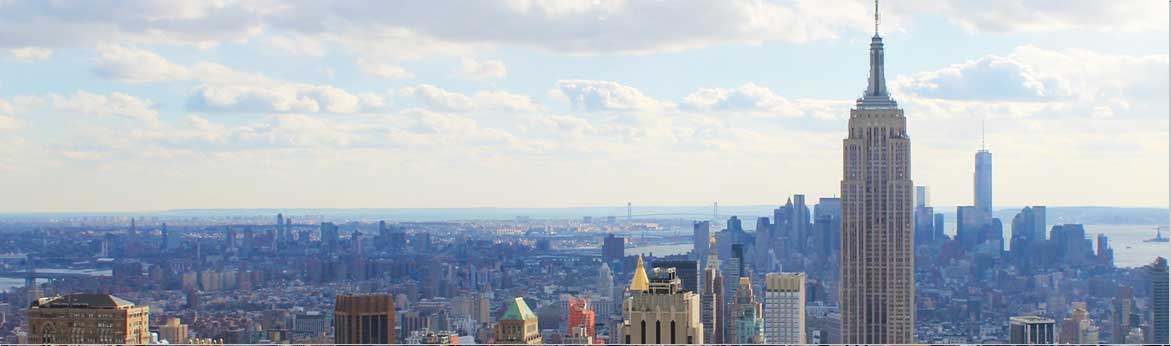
<point>982,134</point>
<point>640,282</point>
<point>876,95</point>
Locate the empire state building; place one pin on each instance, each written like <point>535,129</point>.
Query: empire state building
<point>878,278</point>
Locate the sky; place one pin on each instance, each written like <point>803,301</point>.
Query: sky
<point>150,105</point>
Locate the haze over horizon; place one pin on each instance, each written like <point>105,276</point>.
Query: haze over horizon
<point>177,105</point>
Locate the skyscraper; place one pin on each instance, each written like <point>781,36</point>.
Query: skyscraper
<point>712,297</point>
<point>686,270</point>
<point>1159,327</point>
<point>518,325</point>
<point>784,308</point>
<point>1121,308</point>
<point>613,248</point>
<point>88,319</point>
<point>174,331</point>
<point>1031,330</point>
<point>747,316</point>
<point>659,311</point>
<point>877,271</point>
<point>983,181</point>
<point>700,231</point>
<point>366,319</point>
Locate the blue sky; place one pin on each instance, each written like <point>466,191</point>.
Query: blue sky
<point>148,105</point>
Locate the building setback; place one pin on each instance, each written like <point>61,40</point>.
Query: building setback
<point>877,270</point>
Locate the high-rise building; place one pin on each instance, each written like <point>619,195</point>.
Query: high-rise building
<point>330,237</point>
<point>747,316</point>
<point>712,297</point>
<point>605,284</point>
<point>1031,330</point>
<point>700,231</point>
<point>939,225</point>
<point>88,319</point>
<point>1159,300</point>
<point>580,315</point>
<point>174,331</point>
<point>613,248</point>
<point>363,319</point>
<point>983,181</point>
<point>877,270</point>
<point>279,233</point>
<point>687,270</point>
<point>784,308</point>
<point>518,326</point>
<point>1078,328</point>
<point>659,311</point>
<point>1121,308</point>
<point>827,216</point>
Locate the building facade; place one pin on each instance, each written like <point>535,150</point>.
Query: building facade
<point>877,270</point>
<point>659,311</point>
<point>712,314</point>
<point>784,308</point>
<point>518,325</point>
<point>747,316</point>
<point>88,319</point>
<point>365,319</point>
<point>1159,301</point>
<point>1032,330</point>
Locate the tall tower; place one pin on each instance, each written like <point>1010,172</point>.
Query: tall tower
<point>712,314</point>
<point>983,181</point>
<point>877,270</point>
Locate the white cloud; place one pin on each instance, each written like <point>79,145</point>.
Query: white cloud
<point>436,98</point>
<point>384,71</point>
<point>595,95</point>
<point>1002,16</point>
<point>129,64</point>
<point>114,104</point>
<point>30,53</point>
<point>1069,82</point>
<point>476,70</point>
<point>756,99</point>
<point>8,123</point>
<point>989,78</point>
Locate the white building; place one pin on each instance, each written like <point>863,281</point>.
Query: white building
<point>784,308</point>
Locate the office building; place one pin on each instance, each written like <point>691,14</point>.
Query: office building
<point>1159,303</point>
<point>747,316</point>
<point>613,248</point>
<point>518,325</point>
<point>363,319</point>
<point>687,270</point>
<point>659,311</point>
<point>88,319</point>
<point>712,297</point>
<point>1031,330</point>
<point>983,181</point>
<point>1078,328</point>
<point>174,331</point>
<point>700,232</point>
<point>784,308</point>
<point>877,270</point>
<point>1121,308</point>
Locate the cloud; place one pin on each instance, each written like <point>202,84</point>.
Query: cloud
<point>114,104</point>
<point>384,71</point>
<point>136,65</point>
<point>8,123</point>
<point>50,24</point>
<point>438,99</point>
<point>30,53</point>
<point>989,78</point>
<point>474,70</point>
<point>1006,16</point>
<point>595,95</point>
<point>1071,82</point>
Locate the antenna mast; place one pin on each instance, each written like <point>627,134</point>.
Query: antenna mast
<point>875,17</point>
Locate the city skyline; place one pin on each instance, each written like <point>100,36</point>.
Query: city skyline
<point>288,108</point>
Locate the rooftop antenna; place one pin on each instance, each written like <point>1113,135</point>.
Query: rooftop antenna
<point>875,17</point>
<point>982,134</point>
